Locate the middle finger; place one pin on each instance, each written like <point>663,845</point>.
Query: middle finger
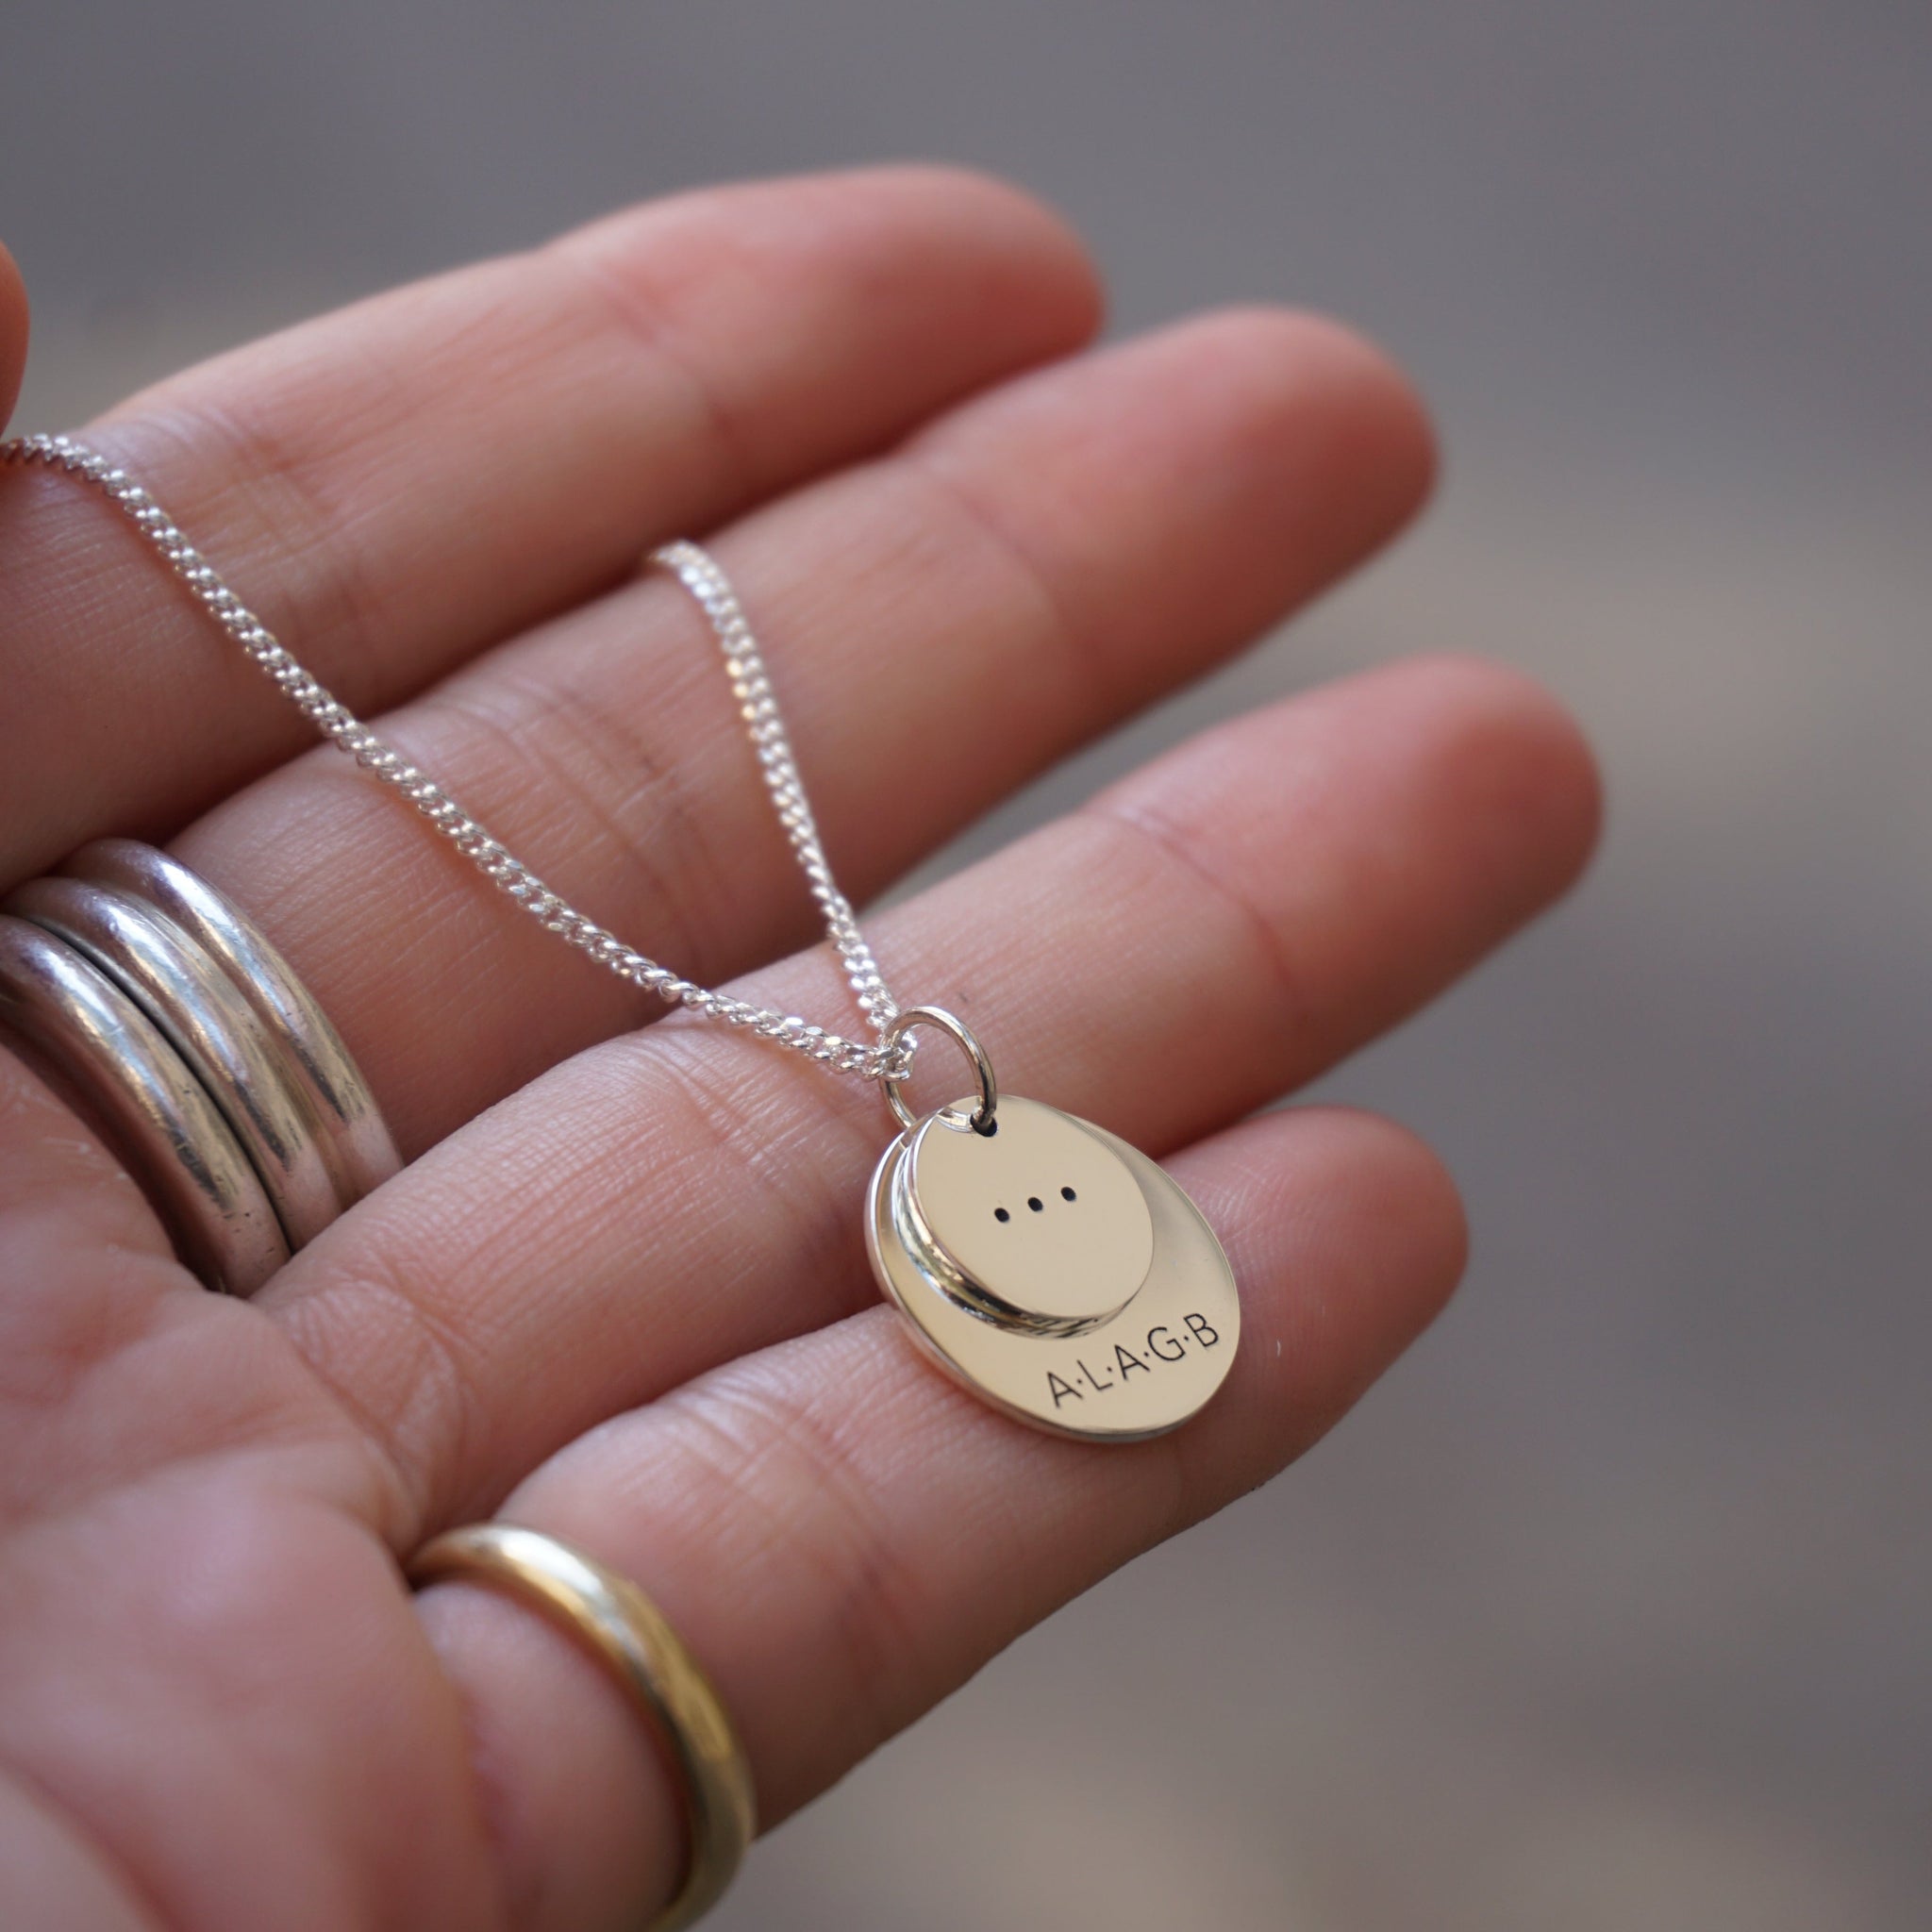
<point>940,625</point>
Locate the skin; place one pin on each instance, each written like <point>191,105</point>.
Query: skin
<point>620,1292</point>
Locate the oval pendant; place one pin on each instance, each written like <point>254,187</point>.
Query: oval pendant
<point>1053,1269</point>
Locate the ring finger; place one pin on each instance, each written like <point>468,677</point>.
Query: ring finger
<point>844,1537</point>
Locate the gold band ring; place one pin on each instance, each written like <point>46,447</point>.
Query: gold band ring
<point>627,1633</point>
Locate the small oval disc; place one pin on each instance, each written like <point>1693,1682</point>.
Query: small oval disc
<point>1039,1215</point>
<point>1137,1372</point>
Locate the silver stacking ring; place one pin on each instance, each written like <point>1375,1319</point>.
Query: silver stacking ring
<point>209,1024</point>
<point>184,1034</point>
<point>355,1142</point>
<point>103,1054</point>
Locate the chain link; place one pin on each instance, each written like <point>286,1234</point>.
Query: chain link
<point>708,584</point>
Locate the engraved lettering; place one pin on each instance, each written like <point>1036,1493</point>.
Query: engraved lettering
<point>1160,1348</point>
<point>1163,1345</point>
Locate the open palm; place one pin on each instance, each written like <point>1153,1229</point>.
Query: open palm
<point>621,1294</point>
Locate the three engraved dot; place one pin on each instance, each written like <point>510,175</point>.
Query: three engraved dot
<point>1033,1202</point>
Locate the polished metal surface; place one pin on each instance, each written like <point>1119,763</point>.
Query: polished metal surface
<point>355,1141</point>
<point>625,1631</point>
<point>91,1043</point>
<point>1039,1221</point>
<point>205,1019</point>
<point>1139,1372</point>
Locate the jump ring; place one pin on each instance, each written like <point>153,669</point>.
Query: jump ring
<point>961,1035</point>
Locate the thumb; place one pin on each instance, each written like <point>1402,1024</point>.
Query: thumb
<point>12,334</point>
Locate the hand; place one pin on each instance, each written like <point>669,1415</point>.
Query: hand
<point>621,1295</point>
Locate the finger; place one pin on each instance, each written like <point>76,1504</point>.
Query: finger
<point>394,486</point>
<point>941,625</point>
<point>1222,926</point>
<point>843,1536</point>
<point>14,329</point>
<point>84,1264</point>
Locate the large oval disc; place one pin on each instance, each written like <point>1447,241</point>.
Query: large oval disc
<point>1139,1372</point>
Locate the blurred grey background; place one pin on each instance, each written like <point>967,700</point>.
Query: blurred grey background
<point>1611,1607</point>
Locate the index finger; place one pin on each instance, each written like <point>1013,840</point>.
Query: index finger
<point>398,486</point>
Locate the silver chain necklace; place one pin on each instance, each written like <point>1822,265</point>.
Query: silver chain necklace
<point>749,685</point>
<point>1052,1268</point>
